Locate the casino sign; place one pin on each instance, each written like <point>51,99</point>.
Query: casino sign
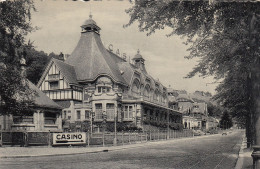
<point>69,138</point>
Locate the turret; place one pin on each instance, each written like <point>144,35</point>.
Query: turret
<point>139,61</point>
<point>90,26</point>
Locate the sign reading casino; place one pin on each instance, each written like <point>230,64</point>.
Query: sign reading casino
<point>69,138</point>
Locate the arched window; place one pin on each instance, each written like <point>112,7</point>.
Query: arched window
<point>164,98</point>
<point>136,87</point>
<point>147,91</point>
<point>104,85</point>
<point>156,95</point>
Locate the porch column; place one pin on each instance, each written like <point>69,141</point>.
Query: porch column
<point>36,120</point>
<point>59,121</point>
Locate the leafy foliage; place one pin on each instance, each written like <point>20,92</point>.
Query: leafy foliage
<point>36,63</point>
<point>226,121</point>
<point>15,24</point>
<point>223,35</point>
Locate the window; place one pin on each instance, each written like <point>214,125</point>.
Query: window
<point>78,114</point>
<point>110,111</point>
<point>98,113</point>
<point>136,87</point>
<point>27,119</point>
<point>104,89</point>
<point>49,118</point>
<point>125,112</point>
<point>54,85</point>
<point>146,91</point>
<point>128,112</point>
<point>65,114</point>
<point>69,117</point>
<point>99,89</point>
<point>86,114</point>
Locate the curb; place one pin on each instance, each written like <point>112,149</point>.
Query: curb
<point>240,160</point>
<point>112,148</point>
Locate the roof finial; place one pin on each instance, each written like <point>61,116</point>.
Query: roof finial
<point>90,15</point>
<point>138,51</point>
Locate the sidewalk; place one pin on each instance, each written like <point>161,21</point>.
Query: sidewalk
<point>245,161</point>
<point>21,152</point>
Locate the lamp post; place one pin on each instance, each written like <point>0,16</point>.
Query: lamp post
<point>104,124</point>
<point>91,121</point>
<point>115,139</point>
<point>168,124</point>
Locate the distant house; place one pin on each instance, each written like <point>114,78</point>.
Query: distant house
<point>195,115</point>
<point>95,83</point>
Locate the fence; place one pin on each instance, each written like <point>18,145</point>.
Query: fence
<point>133,137</point>
<point>25,138</point>
<point>97,139</point>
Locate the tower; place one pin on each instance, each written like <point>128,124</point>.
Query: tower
<point>139,61</point>
<point>90,26</point>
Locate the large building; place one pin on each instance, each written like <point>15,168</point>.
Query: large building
<point>95,82</point>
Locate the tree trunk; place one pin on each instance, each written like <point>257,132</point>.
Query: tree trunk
<point>256,112</point>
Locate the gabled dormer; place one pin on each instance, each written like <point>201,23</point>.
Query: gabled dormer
<point>59,82</point>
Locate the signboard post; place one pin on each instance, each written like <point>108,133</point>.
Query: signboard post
<point>69,138</point>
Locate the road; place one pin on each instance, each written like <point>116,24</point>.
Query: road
<point>210,152</point>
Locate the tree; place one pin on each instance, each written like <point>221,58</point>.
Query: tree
<point>15,24</point>
<point>213,110</point>
<point>36,63</point>
<point>226,121</point>
<point>224,36</point>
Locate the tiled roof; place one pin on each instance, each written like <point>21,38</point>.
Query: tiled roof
<point>67,70</point>
<point>41,100</point>
<point>116,58</point>
<point>184,96</point>
<point>127,71</point>
<point>64,104</point>
<point>90,59</point>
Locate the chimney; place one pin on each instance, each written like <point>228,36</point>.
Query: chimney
<point>23,67</point>
<point>63,57</point>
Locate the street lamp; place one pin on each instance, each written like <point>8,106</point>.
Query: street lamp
<point>168,124</point>
<point>115,117</point>
<point>104,124</point>
<point>91,121</point>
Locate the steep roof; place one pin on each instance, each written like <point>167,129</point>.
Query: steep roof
<point>90,59</point>
<point>184,96</point>
<point>67,70</point>
<point>41,100</point>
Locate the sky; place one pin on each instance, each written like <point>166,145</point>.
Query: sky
<point>59,24</point>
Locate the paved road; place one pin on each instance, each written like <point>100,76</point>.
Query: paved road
<point>210,152</point>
